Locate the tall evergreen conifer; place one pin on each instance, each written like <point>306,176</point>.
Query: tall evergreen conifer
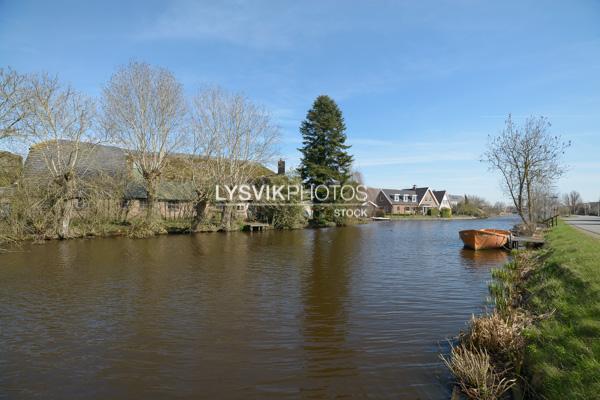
<point>325,159</point>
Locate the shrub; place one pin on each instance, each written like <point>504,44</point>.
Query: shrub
<point>288,217</point>
<point>434,212</point>
<point>446,213</point>
<point>139,229</point>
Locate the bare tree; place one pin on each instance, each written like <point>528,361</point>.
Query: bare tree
<point>545,200</point>
<point>235,137</point>
<point>526,157</point>
<point>144,111</point>
<point>499,207</point>
<point>12,97</point>
<point>572,200</point>
<point>58,120</point>
<point>357,177</point>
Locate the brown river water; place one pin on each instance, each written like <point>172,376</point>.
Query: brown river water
<point>355,312</point>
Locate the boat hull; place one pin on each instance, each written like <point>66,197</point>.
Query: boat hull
<point>484,238</point>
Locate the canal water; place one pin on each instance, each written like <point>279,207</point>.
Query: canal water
<point>354,312</point>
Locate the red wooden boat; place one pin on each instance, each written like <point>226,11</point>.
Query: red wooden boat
<point>479,239</point>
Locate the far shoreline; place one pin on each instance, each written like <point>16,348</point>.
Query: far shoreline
<point>178,231</point>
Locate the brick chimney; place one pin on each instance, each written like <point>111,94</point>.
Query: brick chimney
<point>281,167</point>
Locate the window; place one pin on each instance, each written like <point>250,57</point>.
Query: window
<point>406,198</point>
<point>396,197</point>
<point>414,198</point>
<point>173,206</point>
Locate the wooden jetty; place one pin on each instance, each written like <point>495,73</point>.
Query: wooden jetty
<point>256,226</point>
<point>516,242</point>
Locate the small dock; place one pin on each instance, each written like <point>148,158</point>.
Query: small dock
<point>525,241</point>
<point>256,226</point>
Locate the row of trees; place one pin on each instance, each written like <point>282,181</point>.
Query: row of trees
<point>143,109</point>
<point>476,206</point>
<point>572,203</point>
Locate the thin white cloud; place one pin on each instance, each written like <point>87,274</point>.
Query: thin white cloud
<point>258,24</point>
<point>229,21</point>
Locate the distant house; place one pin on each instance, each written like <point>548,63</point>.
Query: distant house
<point>101,164</point>
<point>174,194</point>
<point>416,200</point>
<point>370,204</point>
<point>397,201</point>
<point>442,198</point>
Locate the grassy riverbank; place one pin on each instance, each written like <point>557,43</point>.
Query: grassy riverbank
<point>542,337</point>
<point>563,354</point>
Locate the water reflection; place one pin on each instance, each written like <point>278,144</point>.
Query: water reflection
<point>484,257</point>
<point>352,312</point>
<point>325,296</point>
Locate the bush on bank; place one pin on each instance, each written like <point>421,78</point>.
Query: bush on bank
<point>434,212</point>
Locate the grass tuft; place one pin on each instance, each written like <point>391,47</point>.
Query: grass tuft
<point>501,337</point>
<point>475,373</point>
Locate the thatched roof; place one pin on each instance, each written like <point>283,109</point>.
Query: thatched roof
<point>112,161</point>
<point>93,159</point>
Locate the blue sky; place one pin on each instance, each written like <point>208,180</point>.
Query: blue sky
<point>421,84</point>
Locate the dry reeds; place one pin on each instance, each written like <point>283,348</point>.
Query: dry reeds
<point>487,361</point>
<point>475,373</point>
<point>501,337</point>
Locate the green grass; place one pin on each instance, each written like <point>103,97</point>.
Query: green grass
<point>563,355</point>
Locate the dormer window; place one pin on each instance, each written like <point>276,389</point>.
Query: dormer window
<point>414,198</point>
<point>406,198</point>
<point>396,197</point>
